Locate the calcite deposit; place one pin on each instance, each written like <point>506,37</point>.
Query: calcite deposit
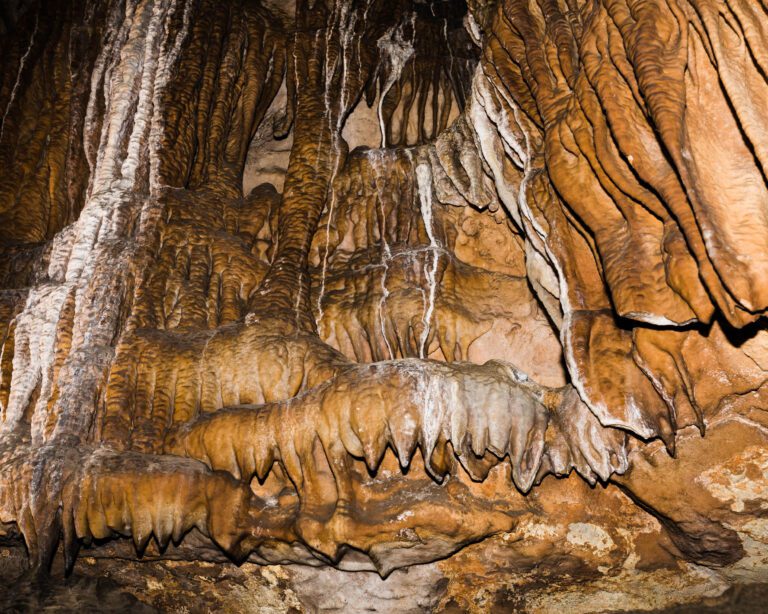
<point>403,305</point>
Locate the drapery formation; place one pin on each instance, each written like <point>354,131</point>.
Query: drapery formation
<point>547,182</point>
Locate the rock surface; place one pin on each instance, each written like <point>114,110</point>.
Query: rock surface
<point>414,305</point>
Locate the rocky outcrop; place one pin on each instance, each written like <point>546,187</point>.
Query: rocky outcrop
<point>505,240</point>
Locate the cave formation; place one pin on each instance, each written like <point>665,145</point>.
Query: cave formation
<point>464,297</point>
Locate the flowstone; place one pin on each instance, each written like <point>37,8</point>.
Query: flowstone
<point>466,298</point>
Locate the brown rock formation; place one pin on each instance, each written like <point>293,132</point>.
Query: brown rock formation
<point>481,244</point>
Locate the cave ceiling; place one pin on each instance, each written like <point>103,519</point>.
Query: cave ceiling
<point>360,283</point>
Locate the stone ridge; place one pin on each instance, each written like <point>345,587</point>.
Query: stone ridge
<point>509,240</point>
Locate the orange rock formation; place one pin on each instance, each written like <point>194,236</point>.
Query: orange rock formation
<point>510,239</point>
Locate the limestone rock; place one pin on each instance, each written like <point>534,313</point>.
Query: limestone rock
<point>465,297</point>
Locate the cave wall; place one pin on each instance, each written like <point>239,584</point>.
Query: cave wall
<point>371,285</point>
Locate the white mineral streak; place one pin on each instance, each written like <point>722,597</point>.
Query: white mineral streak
<point>90,261</point>
<point>450,51</point>
<point>35,338</point>
<point>501,136</point>
<point>347,26</point>
<point>329,70</point>
<point>477,408</point>
<point>297,302</point>
<point>166,64</point>
<point>143,114</point>
<point>360,42</point>
<point>108,217</point>
<point>486,118</point>
<point>345,22</point>
<point>473,28</point>
<point>424,180</point>
<point>120,86</point>
<point>397,50</point>
<point>434,401</point>
<point>376,157</point>
<point>22,63</point>
<point>35,335</point>
<point>297,81</point>
<point>99,77</point>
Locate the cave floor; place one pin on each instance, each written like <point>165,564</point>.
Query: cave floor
<point>143,587</point>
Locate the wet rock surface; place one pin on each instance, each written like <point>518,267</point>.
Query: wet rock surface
<point>417,305</point>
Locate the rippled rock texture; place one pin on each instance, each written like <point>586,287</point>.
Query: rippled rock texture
<point>469,296</point>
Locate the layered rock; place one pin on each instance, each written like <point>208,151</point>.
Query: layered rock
<point>509,240</point>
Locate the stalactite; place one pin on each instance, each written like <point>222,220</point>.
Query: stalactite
<point>513,240</point>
